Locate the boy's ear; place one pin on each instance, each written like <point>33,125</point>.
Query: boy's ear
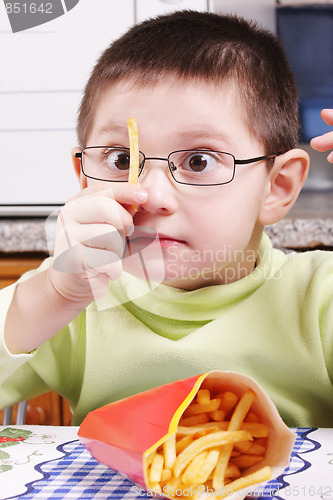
<point>77,167</point>
<point>285,182</point>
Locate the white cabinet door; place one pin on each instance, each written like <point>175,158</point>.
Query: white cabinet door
<point>152,8</point>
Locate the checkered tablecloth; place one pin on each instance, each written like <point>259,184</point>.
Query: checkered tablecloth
<point>76,475</point>
<point>79,476</point>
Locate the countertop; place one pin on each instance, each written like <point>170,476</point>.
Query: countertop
<point>309,224</point>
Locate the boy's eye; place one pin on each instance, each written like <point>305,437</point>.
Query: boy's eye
<point>117,159</point>
<point>199,162</point>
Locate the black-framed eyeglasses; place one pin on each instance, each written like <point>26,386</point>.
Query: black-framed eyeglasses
<point>195,167</point>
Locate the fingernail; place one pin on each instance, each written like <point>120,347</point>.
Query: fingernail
<point>141,196</point>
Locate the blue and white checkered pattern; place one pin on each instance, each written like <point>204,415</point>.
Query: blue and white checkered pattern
<point>79,476</point>
<point>303,444</point>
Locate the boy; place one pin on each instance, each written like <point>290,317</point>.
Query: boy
<point>208,92</point>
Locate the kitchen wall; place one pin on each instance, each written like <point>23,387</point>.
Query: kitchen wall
<point>43,71</point>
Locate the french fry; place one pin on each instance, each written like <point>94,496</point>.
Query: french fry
<point>243,446</point>
<point>223,426</point>
<point>155,487</point>
<point>149,458</point>
<point>257,430</point>
<point>208,466</point>
<point>183,430</point>
<point>245,461</point>
<point>206,442</point>
<point>203,396</point>
<point>134,153</point>
<point>256,449</point>
<point>134,150</point>
<point>228,401</point>
<point>262,441</point>
<point>232,471</point>
<point>174,484</point>
<point>221,467</point>
<point>251,417</point>
<point>198,408</point>
<point>169,451</point>
<point>183,443</point>
<point>156,468</point>
<point>167,475</point>
<point>217,415</point>
<point>190,476</point>
<point>241,410</point>
<point>260,475</point>
<point>195,419</point>
<point>207,452</point>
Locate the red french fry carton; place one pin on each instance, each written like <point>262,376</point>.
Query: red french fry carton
<point>122,435</point>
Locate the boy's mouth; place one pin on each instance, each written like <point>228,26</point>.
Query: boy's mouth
<point>143,237</point>
<point>167,241</point>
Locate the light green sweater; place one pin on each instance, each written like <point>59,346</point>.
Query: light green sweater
<point>275,325</point>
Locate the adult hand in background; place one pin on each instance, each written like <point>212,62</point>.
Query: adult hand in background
<point>325,142</point>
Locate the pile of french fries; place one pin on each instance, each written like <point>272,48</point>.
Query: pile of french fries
<point>218,438</point>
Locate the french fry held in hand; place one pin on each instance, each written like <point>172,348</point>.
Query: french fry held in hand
<point>134,154</point>
<point>213,436</point>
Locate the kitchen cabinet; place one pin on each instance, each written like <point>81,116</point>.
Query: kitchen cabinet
<point>50,408</point>
<point>12,266</point>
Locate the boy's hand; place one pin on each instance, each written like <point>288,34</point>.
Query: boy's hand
<point>325,142</point>
<point>90,240</point>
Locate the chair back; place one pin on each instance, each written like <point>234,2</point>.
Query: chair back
<point>20,415</point>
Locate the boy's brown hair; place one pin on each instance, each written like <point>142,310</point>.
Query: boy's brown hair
<point>210,47</point>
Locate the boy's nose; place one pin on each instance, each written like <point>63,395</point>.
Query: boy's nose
<point>156,167</point>
<point>157,180</point>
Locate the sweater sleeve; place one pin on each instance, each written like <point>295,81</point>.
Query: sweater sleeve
<point>325,314</point>
<point>18,380</point>
<point>56,365</point>
<point>8,362</point>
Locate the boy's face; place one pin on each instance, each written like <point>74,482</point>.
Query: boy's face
<point>208,234</point>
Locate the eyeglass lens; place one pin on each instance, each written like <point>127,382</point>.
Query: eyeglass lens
<point>196,167</point>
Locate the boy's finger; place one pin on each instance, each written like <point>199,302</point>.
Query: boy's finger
<point>123,193</point>
<point>99,209</point>
<point>80,259</point>
<point>101,236</point>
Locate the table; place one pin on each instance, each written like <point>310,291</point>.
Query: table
<point>45,462</point>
